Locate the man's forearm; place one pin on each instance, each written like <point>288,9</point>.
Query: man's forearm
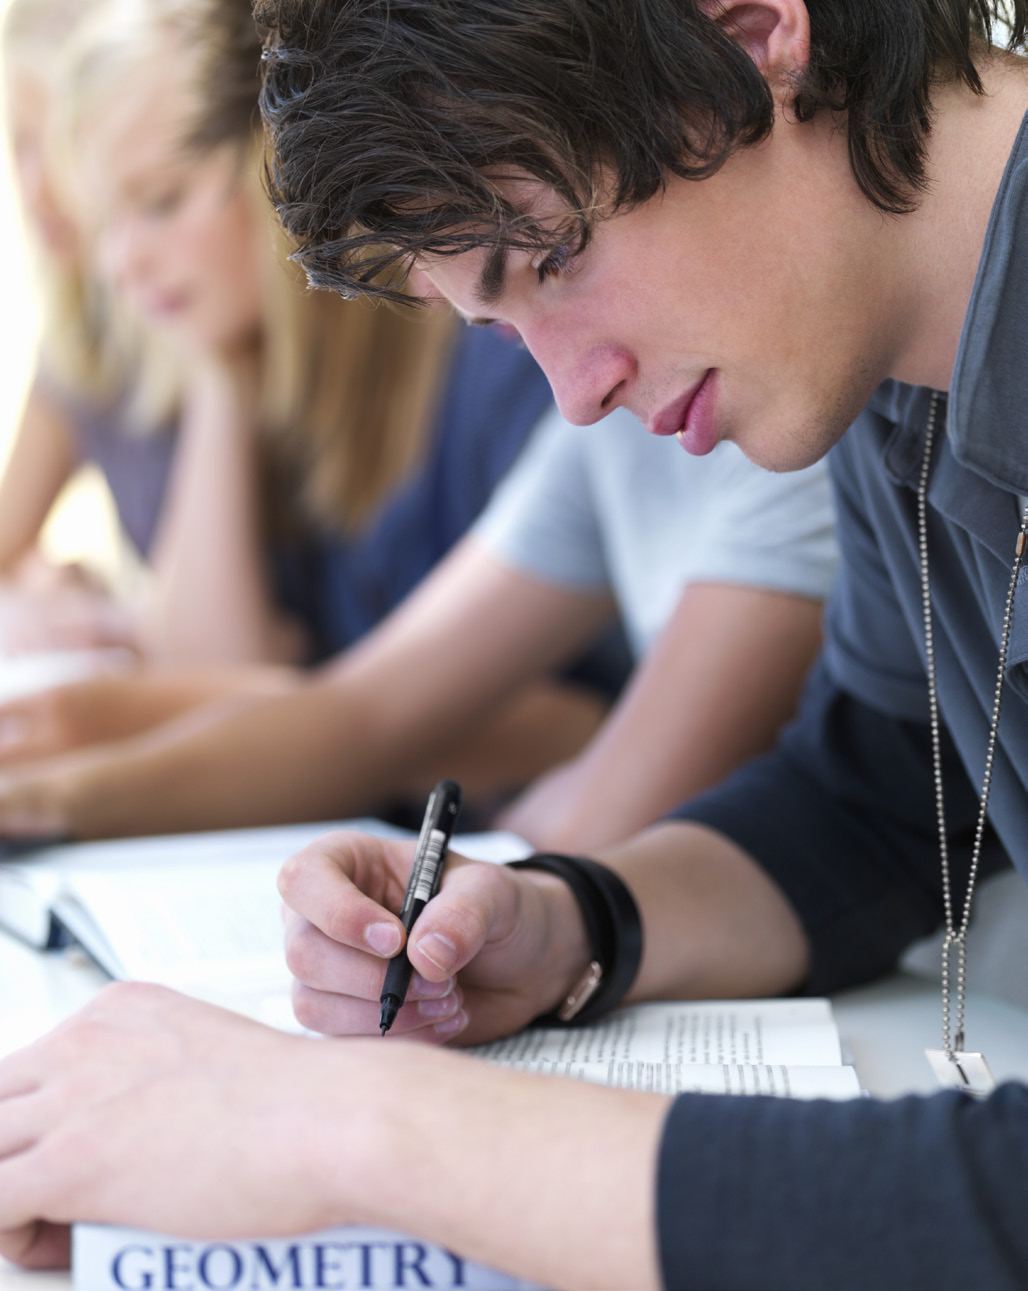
<point>567,1200</point>
<point>714,923</point>
<point>549,1179</point>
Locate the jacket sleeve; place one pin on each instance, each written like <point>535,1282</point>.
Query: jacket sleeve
<point>768,1193</point>
<point>841,815</point>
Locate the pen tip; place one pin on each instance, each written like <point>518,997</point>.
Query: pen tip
<point>388,1015</point>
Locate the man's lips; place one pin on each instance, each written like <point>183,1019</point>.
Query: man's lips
<point>670,420</point>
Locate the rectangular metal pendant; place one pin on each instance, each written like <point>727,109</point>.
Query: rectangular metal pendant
<point>962,1070</point>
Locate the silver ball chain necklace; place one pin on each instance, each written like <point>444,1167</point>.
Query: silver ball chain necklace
<point>953,1065</point>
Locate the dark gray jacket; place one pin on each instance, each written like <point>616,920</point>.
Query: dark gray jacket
<point>924,1192</point>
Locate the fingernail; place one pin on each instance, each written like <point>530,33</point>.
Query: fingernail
<point>452,1025</point>
<point>422,989</point>
<point>443,1008</point>
<point>439,949</point>
<point>383,938</point>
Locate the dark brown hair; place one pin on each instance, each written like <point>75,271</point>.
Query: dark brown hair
<point>391,119</point>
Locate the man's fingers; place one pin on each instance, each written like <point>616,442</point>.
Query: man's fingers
<point>477,904</point>
<point>25,1237</point>
<point>21,1122</point>
<point>338,1015</point>
<point>19,1073</point>
<point>349,886</point>
<point>317,961</point>
<point>38,1245</point>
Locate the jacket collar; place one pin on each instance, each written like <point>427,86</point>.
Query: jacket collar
<point>988,407</point>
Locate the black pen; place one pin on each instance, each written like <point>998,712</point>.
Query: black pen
<point>426,871</point>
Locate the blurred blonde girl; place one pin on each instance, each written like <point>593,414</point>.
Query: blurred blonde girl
<point>328,453</point>
<point>100,393</point>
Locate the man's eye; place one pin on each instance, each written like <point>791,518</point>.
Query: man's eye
<point>554,263</point>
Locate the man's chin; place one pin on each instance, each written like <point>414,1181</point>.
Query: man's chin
<point>787,459</point>
<point>792,444</point>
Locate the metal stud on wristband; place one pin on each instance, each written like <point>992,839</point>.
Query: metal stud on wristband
<point>614,929</point>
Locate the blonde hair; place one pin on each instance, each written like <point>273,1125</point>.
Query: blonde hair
<point>350,390</point>
<point>347,391</point>
<point>89,346</point>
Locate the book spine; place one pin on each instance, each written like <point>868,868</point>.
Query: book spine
<point>339,1259</point>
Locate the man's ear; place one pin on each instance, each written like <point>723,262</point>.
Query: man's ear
<point>775,33</point>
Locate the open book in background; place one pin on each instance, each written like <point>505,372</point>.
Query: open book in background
<point>197,912</point>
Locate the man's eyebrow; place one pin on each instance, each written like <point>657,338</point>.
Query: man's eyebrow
<point>493,279</point>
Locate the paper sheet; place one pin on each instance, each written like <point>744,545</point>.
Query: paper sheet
<point>730,1031</point>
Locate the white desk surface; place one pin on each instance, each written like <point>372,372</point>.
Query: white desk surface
<point>884,1028</point>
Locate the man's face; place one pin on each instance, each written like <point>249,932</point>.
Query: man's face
<point>750,306</point>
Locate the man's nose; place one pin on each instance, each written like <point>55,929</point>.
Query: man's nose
<point>587,383</point>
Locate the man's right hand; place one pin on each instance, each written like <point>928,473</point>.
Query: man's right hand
<point>494,949</point>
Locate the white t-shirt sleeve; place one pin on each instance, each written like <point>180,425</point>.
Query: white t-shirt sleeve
<point>610,509</point>
<point>542,519</point>
<point>765,530</point>
<point>669,520</point>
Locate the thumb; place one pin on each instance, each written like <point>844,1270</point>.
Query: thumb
<point>476,905</point>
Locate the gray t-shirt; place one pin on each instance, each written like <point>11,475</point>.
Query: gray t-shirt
<point>609,508</point>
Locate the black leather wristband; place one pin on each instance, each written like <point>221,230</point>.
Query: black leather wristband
<point>614,929</point>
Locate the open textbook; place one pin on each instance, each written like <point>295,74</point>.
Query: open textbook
<point>782,1047</point>
<point>197,912</point>
<point>785,1047</point>
<point>201,913</point>
<point>119,1259</point>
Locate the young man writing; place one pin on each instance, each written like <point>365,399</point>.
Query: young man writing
<point>708,233</point>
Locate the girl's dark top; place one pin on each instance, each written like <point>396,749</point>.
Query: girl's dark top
<point>340,587</point>
<point>135,464</point>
